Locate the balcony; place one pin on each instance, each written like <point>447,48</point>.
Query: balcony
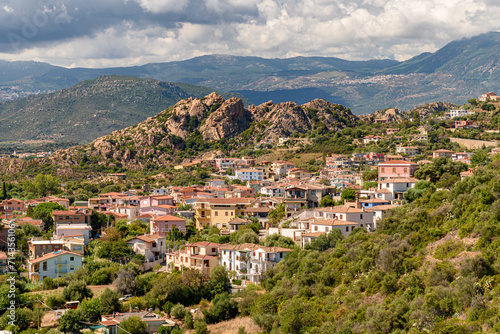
<point>61,271</point>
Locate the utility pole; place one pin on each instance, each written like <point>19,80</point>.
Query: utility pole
<point>38,316</point>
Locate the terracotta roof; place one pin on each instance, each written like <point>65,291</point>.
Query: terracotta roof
<point>374,200</point>
<point>227,200</point>
<point>340,209</point>
<point>203,244</point>
<point>3,256</point>
<point>381,207</point>
<point>397,162</point>
<point>52,255</point>
<point>333,222</point>
<point>312,234</point>
<point>400,180</point>
<point>165,218</point>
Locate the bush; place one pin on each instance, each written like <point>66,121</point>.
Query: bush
<point>449,249</point>
<point>177,311</point>
<point>200,326</point>
<point>188,321</point>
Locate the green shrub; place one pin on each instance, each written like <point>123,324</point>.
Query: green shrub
<point>177,311</point>
<point>449,249</point>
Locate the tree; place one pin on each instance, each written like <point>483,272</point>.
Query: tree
<point>178,311</point>
<point>91,309</point>
<point>43,185</point>
<point>71,321</point>
<point>370,175</point>
<point>348,195</point>
<point>46,217</point>
<point>326,201</point>
<point>133,325</point>
<point>24,317</point>
<point>110,302</point>
<point>219,279</point>
<point>223,308</point>
<point>125,281</point>
<point>48,207</point>
<point>77,290</point>
<point>113,250</point>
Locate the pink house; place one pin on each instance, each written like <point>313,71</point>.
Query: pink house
<point>148,202</point>
<point>163,224</point>
<point>396,168</point>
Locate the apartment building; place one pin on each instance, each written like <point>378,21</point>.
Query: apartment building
<point>53,265</point>
<point>163,224</point>
<point>38,247</point>
<point>249,174</point>
<point>219,211</point>
<point>396,168</point>
<point>152,246</point>
<point>250,261</point>
<point>202,256</point>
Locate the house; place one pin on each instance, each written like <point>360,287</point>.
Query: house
<point>219,211</point>
<point>303,196</point>
<point>372,139</point>
<point>235,224</point>
<point>391,131</point>
<point>250,261</point>
<point>38,247</point>
<point>458,113</point>
<point>460,124</point>
<point>442,154</point>
<point>11,205</point>
<point>308,238</point>
<point>490,96</point>
<point>344,213</point>
<point>64,202</point>
<point>81,216</point>
<point>152,246</point>
<point>249,174</point>
<point>398,185</point>
<point>327,225</point>
<point>73,230</point>
<point>463,175</point>
<point>131,211</point>
<point>298,173</point>
<point>74,244</point>
<point>273,191</point>
<point>379,211</point>
<point>202,256</point>
<point>463,157</point>
<point>396,168</point>
<point>369,203</point>
<point>163,224</point>
<point>53,265</point>
<point>216,183</point>
<point>280,168</point>
<point>408,150</point>
<point>146,202</point>
<point>337,161</point>
<point>153,321</point>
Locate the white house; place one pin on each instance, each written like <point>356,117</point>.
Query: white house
<point>398,185</point>
<point>345,213</point>
<point>250,260</point>
<point>458,113</point>
<point>54,265</point>
<point>249,174</point>
<point>273,191</point>
<point>152,246</point>
<point>73,230</point>
<point>327,225</point>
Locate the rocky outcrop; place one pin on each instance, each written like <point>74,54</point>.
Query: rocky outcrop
<point>228,121</point>
<point>159,138</point>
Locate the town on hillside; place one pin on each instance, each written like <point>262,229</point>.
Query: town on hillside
<point>119,253</point>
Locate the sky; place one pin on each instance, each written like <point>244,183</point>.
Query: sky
<point>105,33</point>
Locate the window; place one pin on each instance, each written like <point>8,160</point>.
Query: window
<point>405,169</point>
<point>44,266</point>
<point>71,267</point>
<point>315,228</point>
<point>326,229</point>
<point>72,258</point>
<point>232,213</point>
<point>227,214</point>
<point>382,170</point>
<point>360,216</point>
<point>347,228</point>
<point>213,250</point>
<point>216,213</point>
<point>341,216</point>
<point>394,169</point>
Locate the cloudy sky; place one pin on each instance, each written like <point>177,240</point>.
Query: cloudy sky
<point>103,33</point>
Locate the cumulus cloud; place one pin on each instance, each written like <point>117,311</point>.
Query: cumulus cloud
<point>128,32</point>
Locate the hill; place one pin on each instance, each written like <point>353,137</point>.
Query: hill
<point>90,109</point>
<point>210,124</point>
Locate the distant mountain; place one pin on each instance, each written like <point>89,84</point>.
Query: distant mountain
<point>91,109</point>
<point>458,71</point>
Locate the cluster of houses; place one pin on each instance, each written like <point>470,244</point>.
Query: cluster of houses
<point>228,206</point>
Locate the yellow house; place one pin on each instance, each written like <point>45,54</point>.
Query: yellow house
<point>219,211</point>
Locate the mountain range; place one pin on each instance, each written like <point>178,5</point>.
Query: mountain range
<point>460,70</point>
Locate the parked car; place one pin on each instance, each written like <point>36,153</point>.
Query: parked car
<point>125,297</point>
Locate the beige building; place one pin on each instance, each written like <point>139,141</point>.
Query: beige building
<point>202,256</point>
<point>219,211</point>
